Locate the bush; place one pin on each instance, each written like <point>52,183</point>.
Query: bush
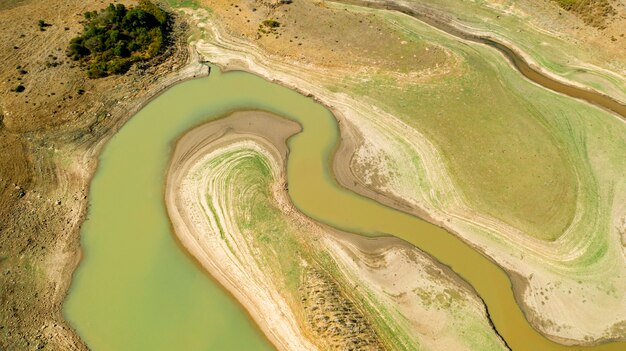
<point>97,70</point>
<point>20,88</point>
<point>271,23</point>
<point>116,37</point>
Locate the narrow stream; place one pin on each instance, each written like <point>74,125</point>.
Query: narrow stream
<point>532,74</point>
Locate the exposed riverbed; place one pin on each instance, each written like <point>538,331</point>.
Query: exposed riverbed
<point>136,289</point>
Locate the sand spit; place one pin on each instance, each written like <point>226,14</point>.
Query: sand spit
<point>230,261</point>
<point>346,292</point>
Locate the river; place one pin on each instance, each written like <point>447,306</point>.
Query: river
<point>135,288</point>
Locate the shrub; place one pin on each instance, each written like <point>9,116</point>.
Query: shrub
<point>42,25</point>
<point>116,37</point>
<point>271,23</point>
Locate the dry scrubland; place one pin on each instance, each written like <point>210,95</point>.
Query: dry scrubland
<point>450,131</point>
<point>49,136</point>
<point>306,285</point>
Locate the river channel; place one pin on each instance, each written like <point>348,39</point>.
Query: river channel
<point>135,288</point>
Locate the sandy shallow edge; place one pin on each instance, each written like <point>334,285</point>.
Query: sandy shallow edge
<point>190,149</point>
<point>202,140</point>
<point>191,68</point>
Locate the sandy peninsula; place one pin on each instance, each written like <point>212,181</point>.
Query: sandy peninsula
<point>346,291</point>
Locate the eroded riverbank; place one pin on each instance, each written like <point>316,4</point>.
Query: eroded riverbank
<point>226,195</point>
<point>570,277</point>
<point>311,186</point>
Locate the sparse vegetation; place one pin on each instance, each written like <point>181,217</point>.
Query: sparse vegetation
<point>34,227</point>
<point>116,37</point>
<point>270,23</point>
<point>268,26</point>
<point>52,61</point>
<point>42,25</point>
<point>593,12</point>
<point>193,4</point>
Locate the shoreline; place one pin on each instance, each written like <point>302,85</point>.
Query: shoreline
<point>90,161</point>
<point>380,197</point>
<point>347,179</point>
<point>190,68</point>
<point>178,164</point>
<point>186,152</point>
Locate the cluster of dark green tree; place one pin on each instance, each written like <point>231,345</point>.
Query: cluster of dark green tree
<point>116,37</point>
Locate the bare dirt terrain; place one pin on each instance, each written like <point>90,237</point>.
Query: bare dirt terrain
<point>595,13</point>
<point>603,23</point>
<point>50,136</point>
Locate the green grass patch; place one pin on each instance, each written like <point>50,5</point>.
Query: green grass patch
<point>193,4</point>
<point>504,140</point>
<point>498,149</point>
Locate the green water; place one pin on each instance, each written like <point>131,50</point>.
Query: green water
<point>136,289</point>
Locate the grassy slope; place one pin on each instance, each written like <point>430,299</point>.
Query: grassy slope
<point>556,52</point>
<point>500,147</point>
<point>501,154</point>
<point>519,152</point>
<point>545,136</point>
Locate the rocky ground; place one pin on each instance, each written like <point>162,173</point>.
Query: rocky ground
<point>595,13</point>
<point>50,136</point>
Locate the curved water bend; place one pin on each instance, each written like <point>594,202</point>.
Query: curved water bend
<point>591,96</point>
<point>315,192</point>
<point>136,290</point>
